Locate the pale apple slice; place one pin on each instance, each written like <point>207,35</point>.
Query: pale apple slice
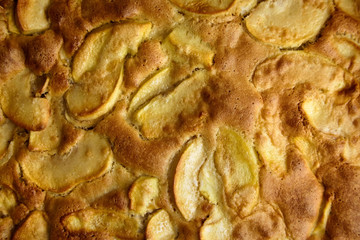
<point>325,114</point>
<point>20,106</point>
<point>217,226</point>
<point>187,195</point>
<point>89,159</point>
<point>191,45</point>
<point>210,184</point>
<point>211,6</point>
<point>288,23</point>
<point>160,227</point>
<point>351,7</point>
<point>7,201</point>
<point>152,87</point>
<point>98,69</point>
<point>308,150</point>
<point>237,164</point>
<point>31,15</point>
<point>143,195</point>
<point>6,134</point>
<point>319,230</point>
<point>116,223</point>
<point>164,110</point>
<point>95,95</point>
<point>35,227</point>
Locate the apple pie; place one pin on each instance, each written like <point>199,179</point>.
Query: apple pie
<point>180,119</point>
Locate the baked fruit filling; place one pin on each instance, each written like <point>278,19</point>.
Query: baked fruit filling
<point>179,119</point>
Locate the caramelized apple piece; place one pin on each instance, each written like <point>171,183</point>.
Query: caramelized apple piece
<point>308,150</point>
<point>35,227</point>
<point>116,223</point>
<point>143,195</point>
<point>60,173</point>
<point>237,164</point>
<point>160,227</point>
<point>187,195</point>
<point>217,226</point>
<point>98,69</point>
<point>164,110</point>
<point>20,106</point>
<point>288,23</point>
<point>31,15</point>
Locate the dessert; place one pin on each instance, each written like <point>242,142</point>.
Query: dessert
<point>179,119</point>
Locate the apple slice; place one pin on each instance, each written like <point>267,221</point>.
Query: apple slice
<point>325,114</point>
<point>60,173</point>
<point>288,23</point>
<point>164,110</point>
<point>191,45</point>
<point>31,15</point>
<point>20,106</point>
<point>35,227</point>
<point>7,200</point>
<point>308,150</point>
<point>187,195</point>
<point>237,164</point>
<point>160,227</point>
<point>217,226</point>
<point>210,182</point>
<point>6,134</point>
<point>152,87</point>
<point>98,69</point>
<point>320,229</point>
<point>116,223</point>
<point>351,7</point>
<point>143,195</point>
<point>210,6</point>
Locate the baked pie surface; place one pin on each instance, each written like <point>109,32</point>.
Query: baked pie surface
<point>179,119</point>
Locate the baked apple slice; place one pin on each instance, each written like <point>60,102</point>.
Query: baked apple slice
<point>18,104</point>
<point>187,195</point>
<point>163,111</point>
<point>217,226</point>
<point>6,133</point>
<point>351,7</point>
<point>31,15</point>
<point>143,195</point>
<point>98,69</point>
<point>160,227</point>
<point>7,201</point>
<point>212,6</point>
<point>34,227</point>
<point>116,223</point>
<point>288,24</point>
<point>60,173</point>
<point>237,164</point>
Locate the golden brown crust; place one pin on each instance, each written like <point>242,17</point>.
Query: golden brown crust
<point>175,119</point>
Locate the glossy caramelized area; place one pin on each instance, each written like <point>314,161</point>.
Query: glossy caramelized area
<point>179,119</point>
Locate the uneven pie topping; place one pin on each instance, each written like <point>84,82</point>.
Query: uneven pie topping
<point>18,104</point>
<point>32,16</point>
<point>60,173</point>
<point>98,69</point>
<point>288,23</point>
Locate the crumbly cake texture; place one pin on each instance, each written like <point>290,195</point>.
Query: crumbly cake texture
<point>179,119</point>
